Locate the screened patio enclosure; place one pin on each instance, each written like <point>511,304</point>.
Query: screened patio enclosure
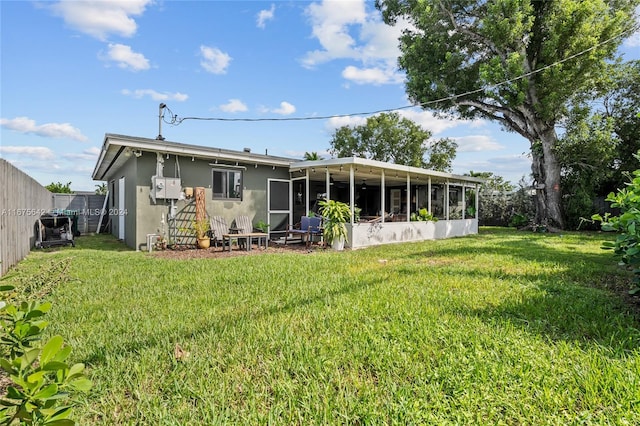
<point>385,198</point>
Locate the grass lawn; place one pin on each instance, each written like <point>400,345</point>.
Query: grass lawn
<point>505,327</point>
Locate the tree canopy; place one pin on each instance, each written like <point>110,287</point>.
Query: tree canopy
<point>59,188</point>
<point>391,138</point>
<point>312,156</point>
<point>601,136</point>
<point>517,62</point>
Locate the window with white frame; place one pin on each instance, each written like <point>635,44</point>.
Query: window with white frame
<point>227,184</point>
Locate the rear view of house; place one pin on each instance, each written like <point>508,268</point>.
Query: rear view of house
<point>150,183</point>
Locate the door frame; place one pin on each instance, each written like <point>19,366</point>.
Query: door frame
<point>121,209</point>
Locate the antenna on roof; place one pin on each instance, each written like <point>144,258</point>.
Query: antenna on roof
<point>160,117</point>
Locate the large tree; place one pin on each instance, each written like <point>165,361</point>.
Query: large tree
<point>517,62</point>
<point>389,137</point>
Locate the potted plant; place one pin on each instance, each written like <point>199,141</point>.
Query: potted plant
<point>335,214</point>
<point>262,226</point>
<point>201,229</point>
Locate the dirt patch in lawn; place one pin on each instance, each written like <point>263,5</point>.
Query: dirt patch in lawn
<point>190,252</point>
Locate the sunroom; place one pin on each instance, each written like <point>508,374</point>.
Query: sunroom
<point>388,199</point>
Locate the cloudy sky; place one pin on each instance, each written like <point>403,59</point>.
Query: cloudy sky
<point>75,70</point>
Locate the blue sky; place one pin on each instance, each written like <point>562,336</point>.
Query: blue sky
<point>72,71</point>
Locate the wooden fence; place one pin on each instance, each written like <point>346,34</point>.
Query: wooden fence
<point>22,201</point>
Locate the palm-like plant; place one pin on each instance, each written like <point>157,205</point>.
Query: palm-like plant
<point>336,214</point>
<point>312,156</point>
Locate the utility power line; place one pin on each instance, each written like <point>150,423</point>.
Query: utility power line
<point>175,120</point>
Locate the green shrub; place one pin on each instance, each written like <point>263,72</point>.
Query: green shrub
<point>40,381</point>
<point>625,247</point>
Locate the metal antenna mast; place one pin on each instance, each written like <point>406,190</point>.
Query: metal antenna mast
<point>160,117</point>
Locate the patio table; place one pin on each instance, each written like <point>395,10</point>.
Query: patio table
<point>248,236</point>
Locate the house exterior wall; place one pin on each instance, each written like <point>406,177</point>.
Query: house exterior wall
<point>128,171</point>
<point>195,173</point>
<point>370,234</point>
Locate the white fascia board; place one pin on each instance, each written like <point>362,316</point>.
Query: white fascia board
<point>365,162</point>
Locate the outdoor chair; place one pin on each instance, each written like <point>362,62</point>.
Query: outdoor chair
<point>219,228</point>
<point>309,227</point>
<point>243,225</point>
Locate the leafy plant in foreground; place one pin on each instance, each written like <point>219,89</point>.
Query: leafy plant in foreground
<point>41,380</point>
<point>37,379</point>
<point>625,247</point>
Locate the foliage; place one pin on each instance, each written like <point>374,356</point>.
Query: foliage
<point>518,220</point>
<point>502,56</point>
<point>262,226</point>
<point>626,247</point>
<point>423,215</point>
<point>336,214</point>
<point>59,188</point>
<point>101,189</point>
<point>600,138</point>
<point>312,156</point>
<point>21,325</point>
<point>501,203</point>
<point>200,227</point>
<point>391,138</point>
<point>40,379</point>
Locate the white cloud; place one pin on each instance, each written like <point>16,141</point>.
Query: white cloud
<point>126,58</point>
<point>101,18</point>
<point>375,76</point>
<point>634,40</point>
<point>214,60</point>
<point>234,105</point>
<point>90,154</point>
<point>285,109</point>
<point>345,30</point>
<point>36,152</point>
<point>336,122</point>
<point>477,143</point>
<point>156,96</point>
<point>511,167</point>
<point>47,130</point>
<point>330,21</point>
<point>429,122</point>
<point>265,15</point>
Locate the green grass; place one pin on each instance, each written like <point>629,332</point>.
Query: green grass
<point>500,328</point>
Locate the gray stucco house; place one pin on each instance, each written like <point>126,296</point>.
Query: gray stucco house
<point>147,178</point>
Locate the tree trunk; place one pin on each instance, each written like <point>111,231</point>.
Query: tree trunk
<point>546,175</point>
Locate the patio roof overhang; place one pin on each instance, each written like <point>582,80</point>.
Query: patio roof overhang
<point>371,172</point>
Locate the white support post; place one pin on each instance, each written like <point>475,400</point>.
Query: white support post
<point>408,199</point>
<point>382,197</point>
<point>327,182</point>
<point>464,201</point>
<point>352,195</point>
<point>446,200</point>
<point>477,202</point>
<point>429,196</point>
<point>306,191</point>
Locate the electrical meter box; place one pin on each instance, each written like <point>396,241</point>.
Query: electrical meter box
<point>165,188</point>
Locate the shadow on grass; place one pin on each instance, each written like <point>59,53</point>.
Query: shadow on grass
<point>579,297</point>
<point>224,322</point>
<point>100,242</point>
